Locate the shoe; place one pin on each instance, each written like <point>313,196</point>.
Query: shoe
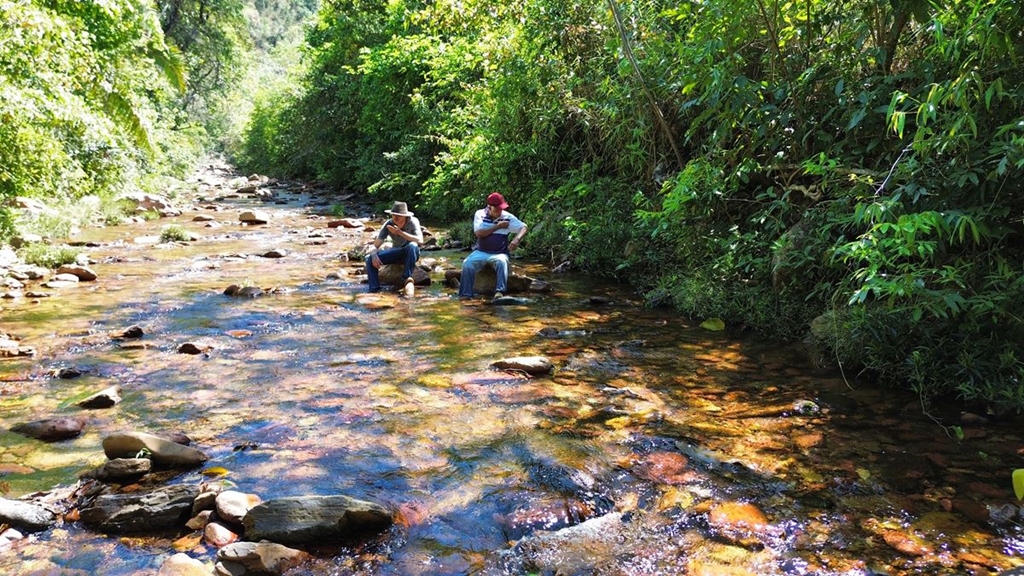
<point>498,295</point>
<point>410,287</point>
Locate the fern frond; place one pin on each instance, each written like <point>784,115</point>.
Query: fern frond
<point>123,113</point>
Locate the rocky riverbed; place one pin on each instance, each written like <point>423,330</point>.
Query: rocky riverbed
<point>233,401</point>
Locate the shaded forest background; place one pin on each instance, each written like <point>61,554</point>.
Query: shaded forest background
<point>846,172</point>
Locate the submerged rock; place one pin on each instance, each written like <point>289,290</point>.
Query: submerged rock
<point>533,365</point>
<point>509,301</point>
<point>741,523</point>
<point>586,548</point>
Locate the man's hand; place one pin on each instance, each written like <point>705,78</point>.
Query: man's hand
<point>376,261</point>
<point>501,224</point>
<point>393,229</point>
<point>513,244</point>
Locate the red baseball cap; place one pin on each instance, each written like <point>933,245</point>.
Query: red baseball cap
<point>498,200</point>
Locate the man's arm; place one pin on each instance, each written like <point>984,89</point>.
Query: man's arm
<point>416,236</point>
<point>519,237</point>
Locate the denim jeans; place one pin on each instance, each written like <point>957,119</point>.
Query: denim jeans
<point>407,255</point>
<point>477,260</point>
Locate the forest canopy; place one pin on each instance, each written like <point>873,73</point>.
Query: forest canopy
<point>844,172</point>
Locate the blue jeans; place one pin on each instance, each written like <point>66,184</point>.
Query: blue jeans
<point>407,255</point>
<point>477,260</point>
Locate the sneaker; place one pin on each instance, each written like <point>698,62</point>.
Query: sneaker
<point>498,295</point>
<point>410,287</point>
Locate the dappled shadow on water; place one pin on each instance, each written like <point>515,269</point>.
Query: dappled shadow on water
<point>639,454</point>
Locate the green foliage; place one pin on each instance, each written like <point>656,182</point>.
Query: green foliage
<point>83,87</point>
<point>174,233</point>
<point>47,255</point>
<point>462,232</point>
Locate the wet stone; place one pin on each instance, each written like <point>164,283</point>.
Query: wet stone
<point>135,512</point>
<point>26,515</point>
<point>739,522</point>
<point>303,520</point>
<point>121,468</point>
<point>51,429</point>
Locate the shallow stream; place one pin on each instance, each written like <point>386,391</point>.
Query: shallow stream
<point>661,442</point>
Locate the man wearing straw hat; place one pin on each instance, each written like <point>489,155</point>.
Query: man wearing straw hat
<point>406,236</point>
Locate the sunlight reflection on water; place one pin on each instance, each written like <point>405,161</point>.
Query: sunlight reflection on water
<point>322,389</point>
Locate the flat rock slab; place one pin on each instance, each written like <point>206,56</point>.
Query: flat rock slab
<point>168,507</point>
<point>259,558</point>
<point>119,468</point>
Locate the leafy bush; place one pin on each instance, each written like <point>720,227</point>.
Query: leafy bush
<point>174,233</point>
<point>47,255</point>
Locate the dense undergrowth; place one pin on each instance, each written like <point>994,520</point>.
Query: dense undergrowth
<point>103,98</point>
<point>854,167</point>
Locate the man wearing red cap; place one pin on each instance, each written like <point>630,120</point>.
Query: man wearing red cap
<point>492,226</point>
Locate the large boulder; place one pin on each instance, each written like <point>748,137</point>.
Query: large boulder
<point>314,519</point>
